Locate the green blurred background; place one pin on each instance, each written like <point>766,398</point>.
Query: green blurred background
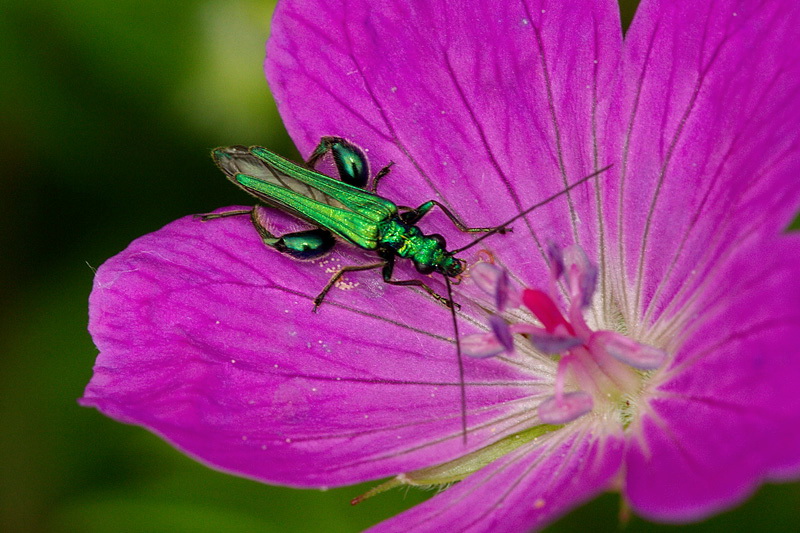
<point>109,111</point>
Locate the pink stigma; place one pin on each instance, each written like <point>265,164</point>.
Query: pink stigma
<point>595,367</point>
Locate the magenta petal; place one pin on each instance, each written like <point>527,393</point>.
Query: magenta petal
<point>726,416</point>
<point>487,106</point>
<point>706,127</point>
<point>710,184</point>
<point>521,491</point>
<point>206,337</point>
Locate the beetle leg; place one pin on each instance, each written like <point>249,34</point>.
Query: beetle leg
<point>379,176</point>
<point>388,269</point>
<point>331,282</point>
<point>415,215</point>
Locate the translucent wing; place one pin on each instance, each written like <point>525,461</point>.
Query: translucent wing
<point>233,160</point>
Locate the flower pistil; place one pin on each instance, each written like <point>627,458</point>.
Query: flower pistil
<point>599,370</point>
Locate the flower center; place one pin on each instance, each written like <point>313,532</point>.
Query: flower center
<point>599,371</point>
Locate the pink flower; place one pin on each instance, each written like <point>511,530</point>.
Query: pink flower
<point>206,336</point>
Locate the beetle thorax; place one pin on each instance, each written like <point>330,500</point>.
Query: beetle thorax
<point>428,252</point>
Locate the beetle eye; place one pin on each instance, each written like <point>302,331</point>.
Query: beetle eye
<point>456,268</point>
<point>439,240</point>
<point>424,269</point>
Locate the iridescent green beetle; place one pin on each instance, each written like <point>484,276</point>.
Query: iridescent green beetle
<point>342,208</point>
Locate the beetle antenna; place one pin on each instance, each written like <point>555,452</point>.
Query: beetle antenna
<point>461,384</point>
<point>547,200</point>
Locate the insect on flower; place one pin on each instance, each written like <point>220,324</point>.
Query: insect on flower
<point>359,217</point>
<point>638,335</point>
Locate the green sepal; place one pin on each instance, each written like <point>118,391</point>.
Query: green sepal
<point>458,469</point>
